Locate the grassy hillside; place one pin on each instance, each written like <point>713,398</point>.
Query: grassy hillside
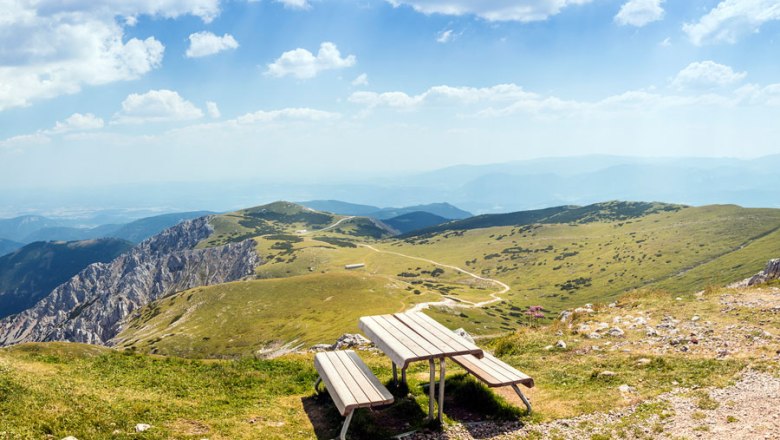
<point>60,389</point>
<point>287,218</point>
<point>242,318</point>
<point>596,254</point>
<point>32,272</point>
<point>413,221</point>
<point>560,265</point>
<point>599,212</point>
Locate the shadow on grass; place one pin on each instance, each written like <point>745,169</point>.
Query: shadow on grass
<point>466,400</point>
<point>470,402</point>
<point>403,415</point>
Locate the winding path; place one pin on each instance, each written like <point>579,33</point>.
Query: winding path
<point>448,301</point>
<point>328,227</point>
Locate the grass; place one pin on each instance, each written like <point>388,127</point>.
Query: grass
<point>61,389</point>
<point>240,318</point>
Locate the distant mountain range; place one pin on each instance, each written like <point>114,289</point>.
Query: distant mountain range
<point>480,189</point>
<point>32,272</point>
<point>443,210</point>
<point>32,228</point>
<point>7,246</point>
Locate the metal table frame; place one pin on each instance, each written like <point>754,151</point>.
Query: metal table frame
<point>412,337</point>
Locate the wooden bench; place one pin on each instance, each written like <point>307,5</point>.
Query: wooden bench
<point>350,383</point>
<point>496,373</point>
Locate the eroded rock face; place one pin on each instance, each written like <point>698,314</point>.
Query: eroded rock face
<point>92,305</point>
<point>770,272</point>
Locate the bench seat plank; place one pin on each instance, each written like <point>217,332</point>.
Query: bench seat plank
<point>493,371</point>
<point>349,381</point>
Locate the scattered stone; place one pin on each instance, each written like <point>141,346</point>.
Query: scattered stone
<point>625,389</point>
<point>643,361</point>
<point>612,305</point>
<point>460,332</point>
<point>594,335</point>
<point>651,331</point>
<point>583,329</point>
<point>70,437</point>
<point>141,427</point>
<point>560,344</point>
<point>607,373</point>
<point>582,310</point>
<point>565,315</point>
<point>321,347</point>
<point>616,332</point>
<point>549,347</point>
<point>350,340</point>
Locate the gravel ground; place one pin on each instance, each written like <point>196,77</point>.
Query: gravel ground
<point>749,409</point>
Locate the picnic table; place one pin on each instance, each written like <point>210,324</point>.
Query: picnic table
<point>412,337</point>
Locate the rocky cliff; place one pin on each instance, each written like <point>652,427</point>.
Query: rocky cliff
<point>92,305</point>
<point>770,272</point>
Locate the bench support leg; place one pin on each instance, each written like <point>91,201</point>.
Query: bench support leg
<point>317,384</point>
<point>403,376</point>
<point>522,397</point>
<point>441,388</point>
<point>344,428</point>
<point>431,388</point>
<point>395,375</point>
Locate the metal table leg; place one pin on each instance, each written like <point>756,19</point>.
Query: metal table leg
<point>441,388</point>
<point>395,375</point>
<point>431,388</point>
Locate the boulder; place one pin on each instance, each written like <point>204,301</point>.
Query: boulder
<point>560,344</point>
<point>350,340</point>
<point>464,334</point>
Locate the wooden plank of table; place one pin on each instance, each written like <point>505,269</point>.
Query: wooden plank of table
<point>423,331</point>
<point>454,343</point>
<point>396,350</point>
<point>419,345</point>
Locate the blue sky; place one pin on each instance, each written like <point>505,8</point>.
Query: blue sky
<point>95,93</point>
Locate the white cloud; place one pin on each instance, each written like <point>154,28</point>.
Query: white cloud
<point>510,99</point>
<point>50,48</point>
<point>213,110</point>
<point>294,4</point>
<point>286,114</point>
<point>360,81</point>
<point>156,106</point>
<point>732,19</point>
<point>205,43</point>
<point>667,42</point>
<point>492,10</point>
<point>444,36</point>
<point>756,95</point>
<point>304,65</point>
<point>78,122</point>
<point>440,94</point>
<point>640,12</point>
<point>25,140</point>
<point>706,74</point>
